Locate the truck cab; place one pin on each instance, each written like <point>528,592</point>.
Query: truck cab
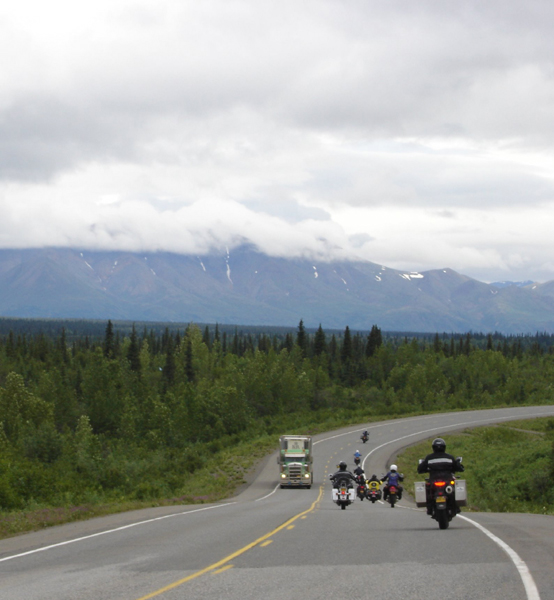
<point>295,461</point>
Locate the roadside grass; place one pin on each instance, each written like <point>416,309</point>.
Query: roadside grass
<point>222,472</point>
<point>506,470</point>
<point>508,467</point>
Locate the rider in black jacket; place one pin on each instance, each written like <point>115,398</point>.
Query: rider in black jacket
<point>341,474</point>
<point>439,465</point>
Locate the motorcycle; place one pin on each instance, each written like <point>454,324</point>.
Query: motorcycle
<point>392,495</point>
<point>442,498</point>
<point>364,438</point>
<point>343,495</point>
<point>361,489</point>
<point>357,460</point>
<point>373,491</point>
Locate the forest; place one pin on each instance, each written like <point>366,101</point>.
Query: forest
<point>120,415</point>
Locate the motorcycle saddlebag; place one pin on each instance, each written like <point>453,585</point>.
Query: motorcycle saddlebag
<point>351,494</point>
<point>420,494</point>
<point>460,492</point>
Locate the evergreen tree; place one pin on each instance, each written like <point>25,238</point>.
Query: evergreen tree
<point>169,367</point>
<point>346,351</point>
<point>320,344</point>
<point>206,337</point>
<point>109,343</point>
<point>374,341</point>
<point>189,367</point>
<point>437,344</point>
<point>133,352</point>
<point>301,338</point>
<point>288,344</point>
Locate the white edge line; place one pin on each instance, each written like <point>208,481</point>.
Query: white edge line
<point>443,428</point>
<point>418,417</point>
<point>526,577</point>
<point>87,537</point>
<point>523,570</point>
<point>525,574</point>
<point>268,495</point>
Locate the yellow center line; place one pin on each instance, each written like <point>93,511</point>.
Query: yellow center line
<point>225,568</point>
<point>225,560</point>
<point>266,543</point>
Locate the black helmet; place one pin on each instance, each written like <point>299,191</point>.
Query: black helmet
<point>342,465</point>
<point>438,445</point>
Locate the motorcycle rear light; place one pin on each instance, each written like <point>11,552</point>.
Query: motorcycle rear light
<point>440,483</point>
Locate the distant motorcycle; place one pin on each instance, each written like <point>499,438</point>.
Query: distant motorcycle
<point>361,489</point>
<point>364,438</point>
<point>357,460</point>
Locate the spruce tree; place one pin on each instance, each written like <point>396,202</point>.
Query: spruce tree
<point>109,345</point>
<point>320,345</point>
<point>346,352</point>
<point>301,339</point>
<point>133,353</point>
<point>374,341</point>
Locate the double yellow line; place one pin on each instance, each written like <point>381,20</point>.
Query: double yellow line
<point>232,556</point>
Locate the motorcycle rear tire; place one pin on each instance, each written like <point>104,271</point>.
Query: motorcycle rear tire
<point>392,500</point>
<point>442,518</point>
<point>343,506</point>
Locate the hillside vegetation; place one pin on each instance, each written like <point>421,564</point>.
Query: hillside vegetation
<point>509,467</point>
<point>125,419</point>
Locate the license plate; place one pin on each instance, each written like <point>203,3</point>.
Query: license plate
<point>441,499</point>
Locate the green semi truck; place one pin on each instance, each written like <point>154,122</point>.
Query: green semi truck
<point>295,461</point>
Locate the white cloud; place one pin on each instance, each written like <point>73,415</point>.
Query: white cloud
<point>418,135</point>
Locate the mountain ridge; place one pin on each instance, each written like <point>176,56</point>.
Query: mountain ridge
<point>250,288</point>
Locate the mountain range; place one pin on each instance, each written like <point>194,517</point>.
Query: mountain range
<point>247,287</point>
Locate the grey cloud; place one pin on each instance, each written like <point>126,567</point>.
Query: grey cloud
<point>275,116</point>
<point>367,70</point>
<point>289,211</point>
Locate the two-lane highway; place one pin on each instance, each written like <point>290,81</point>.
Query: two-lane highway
<point>275,543</point>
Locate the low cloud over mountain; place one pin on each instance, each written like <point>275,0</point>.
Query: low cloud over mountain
<point>250,288</point>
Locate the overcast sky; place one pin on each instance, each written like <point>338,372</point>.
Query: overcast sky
<point>417,135</point>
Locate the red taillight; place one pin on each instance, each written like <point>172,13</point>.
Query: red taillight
<point>440,483</point>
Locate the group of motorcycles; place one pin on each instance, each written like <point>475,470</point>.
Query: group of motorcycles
<point>441,498</point>
<point>344,492</point>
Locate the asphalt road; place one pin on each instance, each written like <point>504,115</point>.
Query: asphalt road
<point>273,543</point>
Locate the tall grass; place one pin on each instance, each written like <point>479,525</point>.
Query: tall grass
<point>508,468</point>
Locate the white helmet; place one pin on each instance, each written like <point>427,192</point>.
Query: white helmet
<point>393,467</point>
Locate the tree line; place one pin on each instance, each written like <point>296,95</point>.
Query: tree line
<point>128,413</point>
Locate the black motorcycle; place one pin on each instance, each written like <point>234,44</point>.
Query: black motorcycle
<point>361,489</point>
<point>442,496</point>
